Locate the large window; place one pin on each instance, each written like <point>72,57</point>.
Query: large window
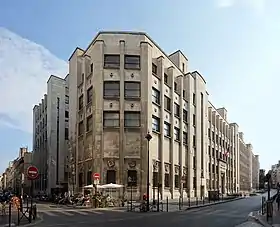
<point>167,129</point>
<point>89,95</point>
<point>81,128</point>
<point>167,103</point>
<point>176,181</point>
<point>155,124</point>
<point>132,61</point>
<point>132,178</point>
<point>132,119</point>
<point>176,110</point>
<point>166,180</point>
<point>132,89</point>
<point>155,179</point>
<point>155,96</point>
<point>111,89</point>
<point>112,61</point>
<point>185,116</point>
<point>111,119</point>
<point>177,134</point>
<point>81,102</point>
<point>89,123</point>
<point>185,138</point>
<point>154,69</point>
<point>111,177</point>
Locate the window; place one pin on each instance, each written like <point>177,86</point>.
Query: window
<point>81,102</point>
<point>194,162</point>
<point>194,182</point>
<point>176,110</point>
<point>194,119</point>
<point>184,94</point>
<point>81,182</point>
<point>132,62</point>
<point>166,180</point>
<point>185,116</point>
<point>111,119</point>
<point>111,89</point>
<point>176,181</point>
<point>89,95</point>
<point>89,177</point>
<point>66,134</point>
<point>167,103</point>
<point>155,96</point>
<point>183,67</point>
<point>167,129</point>
<point>185,138</point>
<point>194,140</point>
<point>176,134</point>
<point>112,61</point>
<point>132,178</point>
<point>66,99</point>
<point>175,86</point>
<point>132,89</point>
<point>91,68</point>
<point>194,98</point>
<point>89,123</point>
<point>155,124</point>
<point>165,78</point>
<point>154,69</point>
<point>155,179</point>
<point>111,177</point>
<point>132,119</point>
<point>81,128</point>
<point>66,114</point>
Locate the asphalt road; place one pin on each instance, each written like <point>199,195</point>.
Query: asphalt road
<point>227,214</point>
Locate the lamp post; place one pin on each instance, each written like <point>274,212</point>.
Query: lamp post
<point>268,177</point>
<point>148,138</point>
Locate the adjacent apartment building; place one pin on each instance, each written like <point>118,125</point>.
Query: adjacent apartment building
<point>122,87</point>
<point>50,136</point>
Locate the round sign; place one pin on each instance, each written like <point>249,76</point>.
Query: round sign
<point>32,172</point>
<point>96,176</point>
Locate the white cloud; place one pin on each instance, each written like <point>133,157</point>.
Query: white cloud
<point>257,5</point>
<point>25,67</point>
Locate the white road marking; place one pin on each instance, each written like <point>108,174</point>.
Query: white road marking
<point>50,213</point>
<point>79,212</point>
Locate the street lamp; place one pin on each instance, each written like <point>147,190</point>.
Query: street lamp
<point>268,177</point>
<point>148,138</point>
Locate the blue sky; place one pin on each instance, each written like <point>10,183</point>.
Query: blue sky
<point>233,43</point>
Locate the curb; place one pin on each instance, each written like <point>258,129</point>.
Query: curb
<point>38,221</point>
<point>258,220</point>
<point>213,204</point>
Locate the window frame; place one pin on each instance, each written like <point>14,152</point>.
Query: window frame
<point>111,119</point>
<point>137,113</point>
<point>111,64</point>
<point>130,89</point>
<point>117,95</point>
<point>128,65</point>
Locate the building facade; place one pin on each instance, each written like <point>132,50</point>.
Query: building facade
<point>223,152</point>
<point>50,136</point>
<point>262,179</point>
<point>124,86</point>
<point>275,175</point>
<point>255,172</point>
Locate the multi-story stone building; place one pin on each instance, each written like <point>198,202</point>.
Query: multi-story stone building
<point>275,174</point>
<point>124,86</point>
<point>262,179</point>
<point>223,151</point>
<point>245,164</point>
<point>50,136</point>
<point>255,172</point>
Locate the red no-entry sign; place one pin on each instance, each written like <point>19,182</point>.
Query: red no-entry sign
<point>32,173</point>
<point>96,176</point>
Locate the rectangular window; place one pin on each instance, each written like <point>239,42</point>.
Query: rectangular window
<point>167,129</point>
<point>155,96</point>
<point>132,89</point>
<point>185,138</point>
<point>194,182</point>
<point>89,177</point>
<point>194,162</point>
<point>81,102</point>
<point>132,62</point>
<point>194,98</point>
<point>176,110</point>
<point>175,86</point>
<point>66,114</point>
<point>81,128</point>
<point>66,132</point>
<point>66,99</point>
<point>184,94</point>
<point>165,78</point>
<point>154,69</point>
<point>111,119</point>
<point>111,89</point>
<point>185,116</point>
<point>132,119</point>
<point>194,140</point>
<point>176,181</point>
<point>89,95</point>
<point>167,103</point>
<point>132,178</point>
<point>176,134</point>
<point>112,61</point>
<point>166,180</point>
<point>91,68</point>
<point>183,67</point>
<point>111,177</point>
<point>155,124</point>
<point>89,123</point>
<point>155,179</point>
<point>194,119</point>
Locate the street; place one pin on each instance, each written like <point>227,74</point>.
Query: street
<point>226,214</point>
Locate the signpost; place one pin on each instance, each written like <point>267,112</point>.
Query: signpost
<point>32,174</point>
<point>96,178</point>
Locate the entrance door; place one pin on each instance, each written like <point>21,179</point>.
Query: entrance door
<point>223,182</point>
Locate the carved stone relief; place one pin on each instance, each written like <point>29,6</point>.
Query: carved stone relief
<point>176,168</point>
<point>155,166</point>
<point>111,163</point>
<point>166,168</point>
<point>132,164</point>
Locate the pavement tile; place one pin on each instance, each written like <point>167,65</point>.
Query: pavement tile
<point>249,224</point>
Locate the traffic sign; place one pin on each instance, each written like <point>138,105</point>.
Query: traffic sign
<point>32,173</point>
<point>96,176</point>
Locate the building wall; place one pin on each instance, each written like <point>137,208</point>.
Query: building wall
<point>255,171</point>
<point>50,135</point>
<point>245,165</point>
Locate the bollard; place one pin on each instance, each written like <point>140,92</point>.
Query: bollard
<point>167,204</point>
<point>179,203</point>
<point>189,201</point>
<point>10,214</point>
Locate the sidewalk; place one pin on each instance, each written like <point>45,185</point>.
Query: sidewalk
<point>274,221</point>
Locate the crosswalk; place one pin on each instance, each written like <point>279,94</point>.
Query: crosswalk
<point>70,212</point>
<point>210,211</point>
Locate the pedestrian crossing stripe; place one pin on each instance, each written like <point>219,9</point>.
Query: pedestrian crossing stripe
<point>55,213</point>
